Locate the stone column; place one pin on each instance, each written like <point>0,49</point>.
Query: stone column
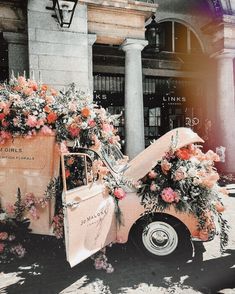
<point>134,108</point>
<point>91,41</point>
<point>17,52</point>
<point>225,108</point>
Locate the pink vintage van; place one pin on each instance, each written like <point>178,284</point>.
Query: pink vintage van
<point>90,221</point>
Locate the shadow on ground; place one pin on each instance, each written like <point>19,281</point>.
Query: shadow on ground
<point>45,271</point>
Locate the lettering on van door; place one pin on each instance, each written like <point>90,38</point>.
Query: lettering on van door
<point>94,218</point>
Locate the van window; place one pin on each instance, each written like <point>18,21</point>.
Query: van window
<point>114,157</point>
<point>77,170</point>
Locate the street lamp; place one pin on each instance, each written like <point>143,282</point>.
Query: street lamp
<point>64,11</point>
<point>153,36</point>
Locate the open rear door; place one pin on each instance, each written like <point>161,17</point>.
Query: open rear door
<point>89,218</point>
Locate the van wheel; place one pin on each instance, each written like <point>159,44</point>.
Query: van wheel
<point>164,240</point>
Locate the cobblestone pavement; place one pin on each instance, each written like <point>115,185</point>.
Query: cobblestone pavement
<point>45,271</point>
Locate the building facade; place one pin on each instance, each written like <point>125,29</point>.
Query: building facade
<point>188,81</point>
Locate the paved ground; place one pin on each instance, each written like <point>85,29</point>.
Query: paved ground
<point>45,271</point>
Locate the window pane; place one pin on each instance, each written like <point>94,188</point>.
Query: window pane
<point>75,171</point>
<point>166,36</point>
<point>180,38</point>
<point>152,112</point>
<point>158,111</point>
<point>152,131</point>
<point>152,121</point>
<point>159,121</point>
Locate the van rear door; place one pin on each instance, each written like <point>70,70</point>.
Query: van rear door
<point>89,216</point>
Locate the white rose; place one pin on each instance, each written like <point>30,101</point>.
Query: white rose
<point>3,216</point>
<point>84,125</point>
<point>192,172</point>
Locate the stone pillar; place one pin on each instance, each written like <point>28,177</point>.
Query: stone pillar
<point>225,108</point>
<point>134,108</point>
<point>17,52</point>
<point>91,41</point>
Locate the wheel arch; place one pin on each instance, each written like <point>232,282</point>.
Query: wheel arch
<point>162,216</point>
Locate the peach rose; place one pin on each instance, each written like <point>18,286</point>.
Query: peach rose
<point>165,166</point>
<point>152,174</point>
<point>85,112</point>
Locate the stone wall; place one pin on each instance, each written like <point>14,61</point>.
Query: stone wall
<point>60,55</point>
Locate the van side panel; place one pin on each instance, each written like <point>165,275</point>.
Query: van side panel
<point>132,210</point>
<point>29,164</point>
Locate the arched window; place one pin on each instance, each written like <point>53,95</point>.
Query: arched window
<point>178,38</point>
<point>3,59</point>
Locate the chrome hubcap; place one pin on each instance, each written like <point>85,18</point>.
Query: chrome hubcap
<point>160,238</point>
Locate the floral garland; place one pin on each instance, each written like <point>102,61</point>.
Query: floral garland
<point>186,178</point>
<point>117,192</point>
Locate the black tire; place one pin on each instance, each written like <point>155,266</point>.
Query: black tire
<point>164,239</point>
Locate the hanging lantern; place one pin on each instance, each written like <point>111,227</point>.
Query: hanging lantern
<point>64,11</point>
<point>153,36</point>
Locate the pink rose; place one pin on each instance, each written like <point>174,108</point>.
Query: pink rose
<point>119,193</point>
<point>169,196</point>
<point>107,128</point>
<point>5,135</point>
<point>91,123</point>
<point>31,121</point>
<point>45,130</point>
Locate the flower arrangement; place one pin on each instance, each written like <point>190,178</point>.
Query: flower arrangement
<point>14,231</point>
<point>28,108</point>
<point>186,178</point>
